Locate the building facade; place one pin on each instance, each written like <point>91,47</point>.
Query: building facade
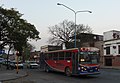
<point>112,48</point>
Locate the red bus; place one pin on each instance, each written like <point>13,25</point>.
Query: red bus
<point>75,61</point>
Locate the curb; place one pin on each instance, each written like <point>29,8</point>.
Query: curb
<point>110,68</point>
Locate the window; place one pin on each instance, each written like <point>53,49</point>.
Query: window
<point>48,56</point>
<point>61,55</point>
<point>55,56</point>
<point>68,56</point>
<point>107,50</point>
<point>119,49</point>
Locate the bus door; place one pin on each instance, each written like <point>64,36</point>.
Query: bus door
<point>74,63</point>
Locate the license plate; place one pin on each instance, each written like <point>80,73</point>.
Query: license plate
<point>91,70</point>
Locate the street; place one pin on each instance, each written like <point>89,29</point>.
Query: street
<point>39,76</point>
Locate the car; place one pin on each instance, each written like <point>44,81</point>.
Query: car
<point>32,64</point>
<point>13,65</point>
<point>6,62</point>
<point>2,60</point>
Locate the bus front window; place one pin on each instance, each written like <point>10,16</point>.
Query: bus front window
<point>88,58</point>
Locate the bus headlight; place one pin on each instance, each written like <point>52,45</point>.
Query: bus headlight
<point>85,69</point>
<point>82,70</point>
<point>78,68</point>
<point>98,70</point>
<point>82,67</point>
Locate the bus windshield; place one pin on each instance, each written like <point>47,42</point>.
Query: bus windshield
<point>88,57</point>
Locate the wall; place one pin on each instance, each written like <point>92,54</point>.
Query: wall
<point>112,40</point>
<point>116,61</point>
<point>110,35</point>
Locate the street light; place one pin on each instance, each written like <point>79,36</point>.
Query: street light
<point>75,12</point>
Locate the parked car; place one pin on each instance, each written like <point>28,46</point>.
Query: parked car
<point>13,65</point>
<point>6,62</point>
<point>2,60</point>
<point>32,64</point>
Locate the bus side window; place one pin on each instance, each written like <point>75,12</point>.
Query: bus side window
<point>68,56</point>
<point>61,55</point>
<point>50,56</point>
<point>55,56</point>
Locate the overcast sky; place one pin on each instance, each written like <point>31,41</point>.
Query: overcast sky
<point>105,14</point>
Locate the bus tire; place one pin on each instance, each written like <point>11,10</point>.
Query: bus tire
<point>67,72</point>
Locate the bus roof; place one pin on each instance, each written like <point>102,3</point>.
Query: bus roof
<point>91,48</point>
<point>74,49</point>
<point>64,50</point>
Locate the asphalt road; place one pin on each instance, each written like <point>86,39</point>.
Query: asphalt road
<point>39,76</point>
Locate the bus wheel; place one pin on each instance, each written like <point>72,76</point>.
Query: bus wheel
<point>67,71</point>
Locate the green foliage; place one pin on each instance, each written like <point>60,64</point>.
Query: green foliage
<point>15,31</point>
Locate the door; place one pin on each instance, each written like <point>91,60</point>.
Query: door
<point>108,61</point>
<point>74,63</point>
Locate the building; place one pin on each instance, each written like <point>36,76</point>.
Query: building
<point>112,48</point>
<point>34,56</point>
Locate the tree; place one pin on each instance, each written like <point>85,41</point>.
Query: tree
<point>26,51</point>
<point>63,32</point>
<point>15,31</point>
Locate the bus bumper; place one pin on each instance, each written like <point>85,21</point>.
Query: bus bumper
<point>89,73</point>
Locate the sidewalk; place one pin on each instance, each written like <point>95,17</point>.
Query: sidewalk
<point>110,67</point>
<point>6,75</point>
